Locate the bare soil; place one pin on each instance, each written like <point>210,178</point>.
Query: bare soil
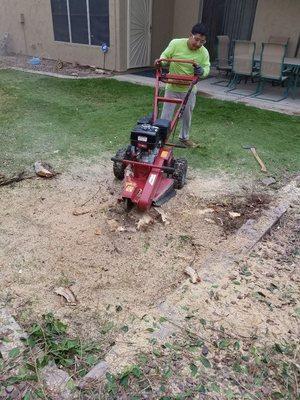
<point>71,232</point>
<point>115,271</point>
<point>259,297</point>
<point>50,66</point>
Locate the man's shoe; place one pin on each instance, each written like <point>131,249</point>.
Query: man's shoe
<point>188,143</point>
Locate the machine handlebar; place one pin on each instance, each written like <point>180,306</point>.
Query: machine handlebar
<point>198,70</point>
<point>177,60</point>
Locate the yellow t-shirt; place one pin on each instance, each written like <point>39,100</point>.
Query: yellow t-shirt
<point>178,48</point>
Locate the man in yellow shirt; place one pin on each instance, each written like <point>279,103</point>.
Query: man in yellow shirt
<point>191,48</point>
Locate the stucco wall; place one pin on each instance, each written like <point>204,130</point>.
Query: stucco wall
<point>277,18</point>
<point>35,36</point>
<point>162,26</point>
<point>186,15</point>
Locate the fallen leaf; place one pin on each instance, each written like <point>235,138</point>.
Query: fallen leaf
<point>131,229</point>
<point>161,216</point>
<point>233,214</point>
<point>194,277</point>
<point>121,229</point>
<point>268,181</point>
<point>113,225</point>
<point>209,220</point>
<point>80,212</point>
<point>205,362</point>
<point>144,222</point>
<point>43,169</point>
<point>204,211</point>
<point>67,294</point>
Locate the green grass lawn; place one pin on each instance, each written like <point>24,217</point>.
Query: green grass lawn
<point>54,120</point>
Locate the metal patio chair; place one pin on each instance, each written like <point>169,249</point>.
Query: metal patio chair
<point>223,64</point>
<point>3,44</point>
<point>272,69</point>
<point>296,71</point>
<point>297,51</point>
<point>243,63</point>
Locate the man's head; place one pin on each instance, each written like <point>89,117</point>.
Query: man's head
<point>197,37</point>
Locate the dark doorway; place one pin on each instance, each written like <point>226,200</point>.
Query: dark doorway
<point>228,17</point>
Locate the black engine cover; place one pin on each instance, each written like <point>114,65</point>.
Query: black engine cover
<point>146,135</point>
<point>164,126</point>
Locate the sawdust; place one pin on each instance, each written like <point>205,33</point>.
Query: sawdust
<point>259,298</point>
<point>117,274</point>
<point>44,245</point>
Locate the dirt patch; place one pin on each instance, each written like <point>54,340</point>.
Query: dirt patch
<point>259,297</point>
<point>70,232</point>
<point>52,66</point>
<point>234,211</point>
<point>44,246</point>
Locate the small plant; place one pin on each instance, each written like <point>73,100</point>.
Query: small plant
<point>52,337</point>
<point>47,342</point>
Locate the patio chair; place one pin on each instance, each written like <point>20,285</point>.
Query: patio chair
<point>279,40</point>
<point>223,58</point>
<point>296,71</point>
<point>297,51</point>
<point>3,44</point>
<point>243,63</point>
<point>272,69</point>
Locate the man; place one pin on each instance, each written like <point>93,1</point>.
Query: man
<point>191,48</point>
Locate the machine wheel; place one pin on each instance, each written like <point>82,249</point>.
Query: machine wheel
<point>118,167</point>
<point>180,171</point>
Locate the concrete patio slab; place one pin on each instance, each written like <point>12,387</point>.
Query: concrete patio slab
<point>207,88</point>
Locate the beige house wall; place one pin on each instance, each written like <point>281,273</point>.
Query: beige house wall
<point>122,34</point>
<point>186,15</point>
<point>35,36</point>
<point>162,26</point>
<point>277,18</point>
<point>172,19</point>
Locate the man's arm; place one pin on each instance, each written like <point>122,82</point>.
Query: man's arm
<point>205,64</point>
<point>169,51</point>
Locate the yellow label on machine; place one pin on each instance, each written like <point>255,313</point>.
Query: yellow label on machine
<point>164,154</point>
<point>129,187</point>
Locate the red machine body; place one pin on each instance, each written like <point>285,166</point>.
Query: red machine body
<point>147,166</point>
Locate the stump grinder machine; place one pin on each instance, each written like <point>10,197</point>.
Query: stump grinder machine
<point>149,171</point>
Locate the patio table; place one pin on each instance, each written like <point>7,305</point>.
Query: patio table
<point>289,62</point>
<point>294,64</point>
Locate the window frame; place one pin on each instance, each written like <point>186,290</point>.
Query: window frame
<point>88,27</point>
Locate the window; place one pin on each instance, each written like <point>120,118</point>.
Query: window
<point>81,21</point>
<point>99,21</point>
<point>60,20</point>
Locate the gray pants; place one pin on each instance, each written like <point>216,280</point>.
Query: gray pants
<point>169,108</point>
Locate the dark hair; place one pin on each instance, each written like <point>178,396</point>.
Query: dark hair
<point>199,28</point>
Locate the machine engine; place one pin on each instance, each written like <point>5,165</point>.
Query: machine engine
<point>148,138</point>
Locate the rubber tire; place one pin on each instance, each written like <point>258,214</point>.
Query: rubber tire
<point>118,167</point>
<point>179,175</point>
